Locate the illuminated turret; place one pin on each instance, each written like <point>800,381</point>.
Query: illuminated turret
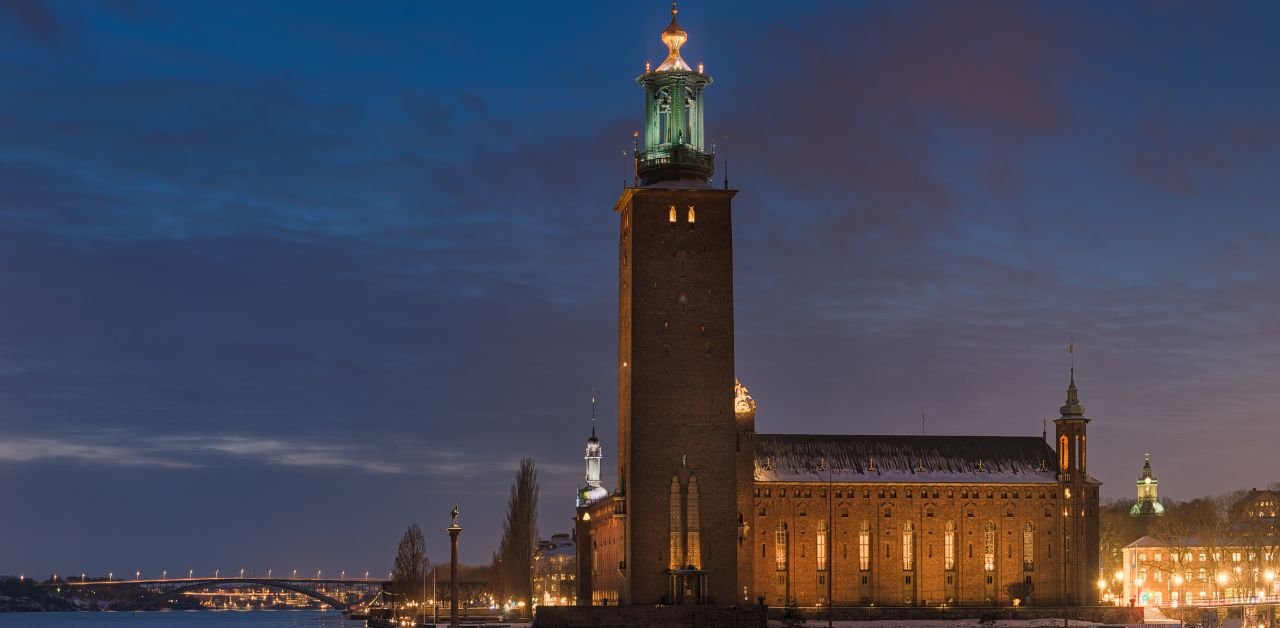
<point>674,139</point>
<point>1147,499</point>
<point>593,490</point>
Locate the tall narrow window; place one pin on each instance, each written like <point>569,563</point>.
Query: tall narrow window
<point>864,546</point>
<point>693,538</point>
<point>949,547</point>
<point>908,546</point>
<point>780,546</point>
<point>671,215</point>
<point>989,547</point>
<point>1063,444</point>
<point>822,545</point>
<point>1028,547</point>
<point>691,214</point>
<point>677,543</point>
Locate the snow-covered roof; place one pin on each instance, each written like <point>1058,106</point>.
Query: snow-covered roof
<point>797,457</point>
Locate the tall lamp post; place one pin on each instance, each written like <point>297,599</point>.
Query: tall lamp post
<point>830,532</point>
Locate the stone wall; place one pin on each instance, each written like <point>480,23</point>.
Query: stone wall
<point>1097,614</point>
<point>649,616</point>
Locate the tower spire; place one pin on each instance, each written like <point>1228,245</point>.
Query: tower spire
<point>1072,408</point>
<point>593,413</point>
<point>674,137</point>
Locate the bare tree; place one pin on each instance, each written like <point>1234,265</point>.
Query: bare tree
<point>410,569</point>
<point>520,535</point>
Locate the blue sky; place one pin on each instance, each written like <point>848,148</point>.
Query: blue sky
<point>281,278</point>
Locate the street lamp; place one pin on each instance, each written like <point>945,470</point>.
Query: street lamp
<point>164,575</point>
<point>1222,582</point>
<point>295,573</point>
<point>242,572</point>
<point>268,573</point>
<point>137,575</point>
<point>216,572</point>
<point>191,574</point>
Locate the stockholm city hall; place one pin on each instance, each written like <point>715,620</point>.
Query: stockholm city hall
<point>709,511</point>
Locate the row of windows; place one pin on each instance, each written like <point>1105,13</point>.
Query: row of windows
<point>1204,556</point>
<point>908,546</point>
<point>892,493</point>
<point>672,216</point>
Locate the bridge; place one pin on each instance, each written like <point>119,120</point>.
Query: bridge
<point>168,589</point>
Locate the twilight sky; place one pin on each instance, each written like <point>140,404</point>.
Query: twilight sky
<point>279,278</point>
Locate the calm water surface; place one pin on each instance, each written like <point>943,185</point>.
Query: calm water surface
<point>181,619</point>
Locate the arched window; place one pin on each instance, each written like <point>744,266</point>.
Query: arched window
<point>780,546</point>
<point>864,545</point>
<point>989,547</point>
<point>671,215</point>
<point>949,547</point>
<point>693,536</point>
<point>677,543</point>
<point>1063,449</point>
<point>822,545</point>
<point>1028,547</point>
<point>691,214</point>
<point>908,547</point>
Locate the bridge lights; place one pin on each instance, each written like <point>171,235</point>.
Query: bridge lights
<point>164,575</point>
<point>190,573</point>
<point>242,572</point>
<point>268,573</point>
<point>109,575</point>
<point>366,575</point>
<point>343,576</point>
<point>295,573</point>
<point>137,575</point>
<point>216,572</point>
<point>317,574</point>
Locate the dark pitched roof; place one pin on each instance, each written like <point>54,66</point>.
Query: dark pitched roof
<point>795,457</point>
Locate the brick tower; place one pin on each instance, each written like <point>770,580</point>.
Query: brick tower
<point>678,449</point>
<point>1079,503</point>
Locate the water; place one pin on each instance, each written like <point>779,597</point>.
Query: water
<point>181,619</point>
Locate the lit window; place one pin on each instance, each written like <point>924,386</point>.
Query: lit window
<point>691,214</point>
<point>864,546</point>
<point>908,547</point>
<point>780,546</point>
<point>949,547</point>
<point>1028,547</point>
<point>822,545</point>
<point>989,547</point>
<point>671,215</point>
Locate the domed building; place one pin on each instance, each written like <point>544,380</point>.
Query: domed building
<point>1147,505</point>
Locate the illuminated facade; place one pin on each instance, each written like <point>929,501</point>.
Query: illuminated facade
<point>1233,563</point>
<point>709,511</point>
<point>555,571</point>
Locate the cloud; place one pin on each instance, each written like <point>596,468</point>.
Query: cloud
<point>23,450</point>
<point>36,18</point>
<point>193,452</point>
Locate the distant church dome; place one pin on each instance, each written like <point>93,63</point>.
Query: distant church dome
<point>1147,505</point>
